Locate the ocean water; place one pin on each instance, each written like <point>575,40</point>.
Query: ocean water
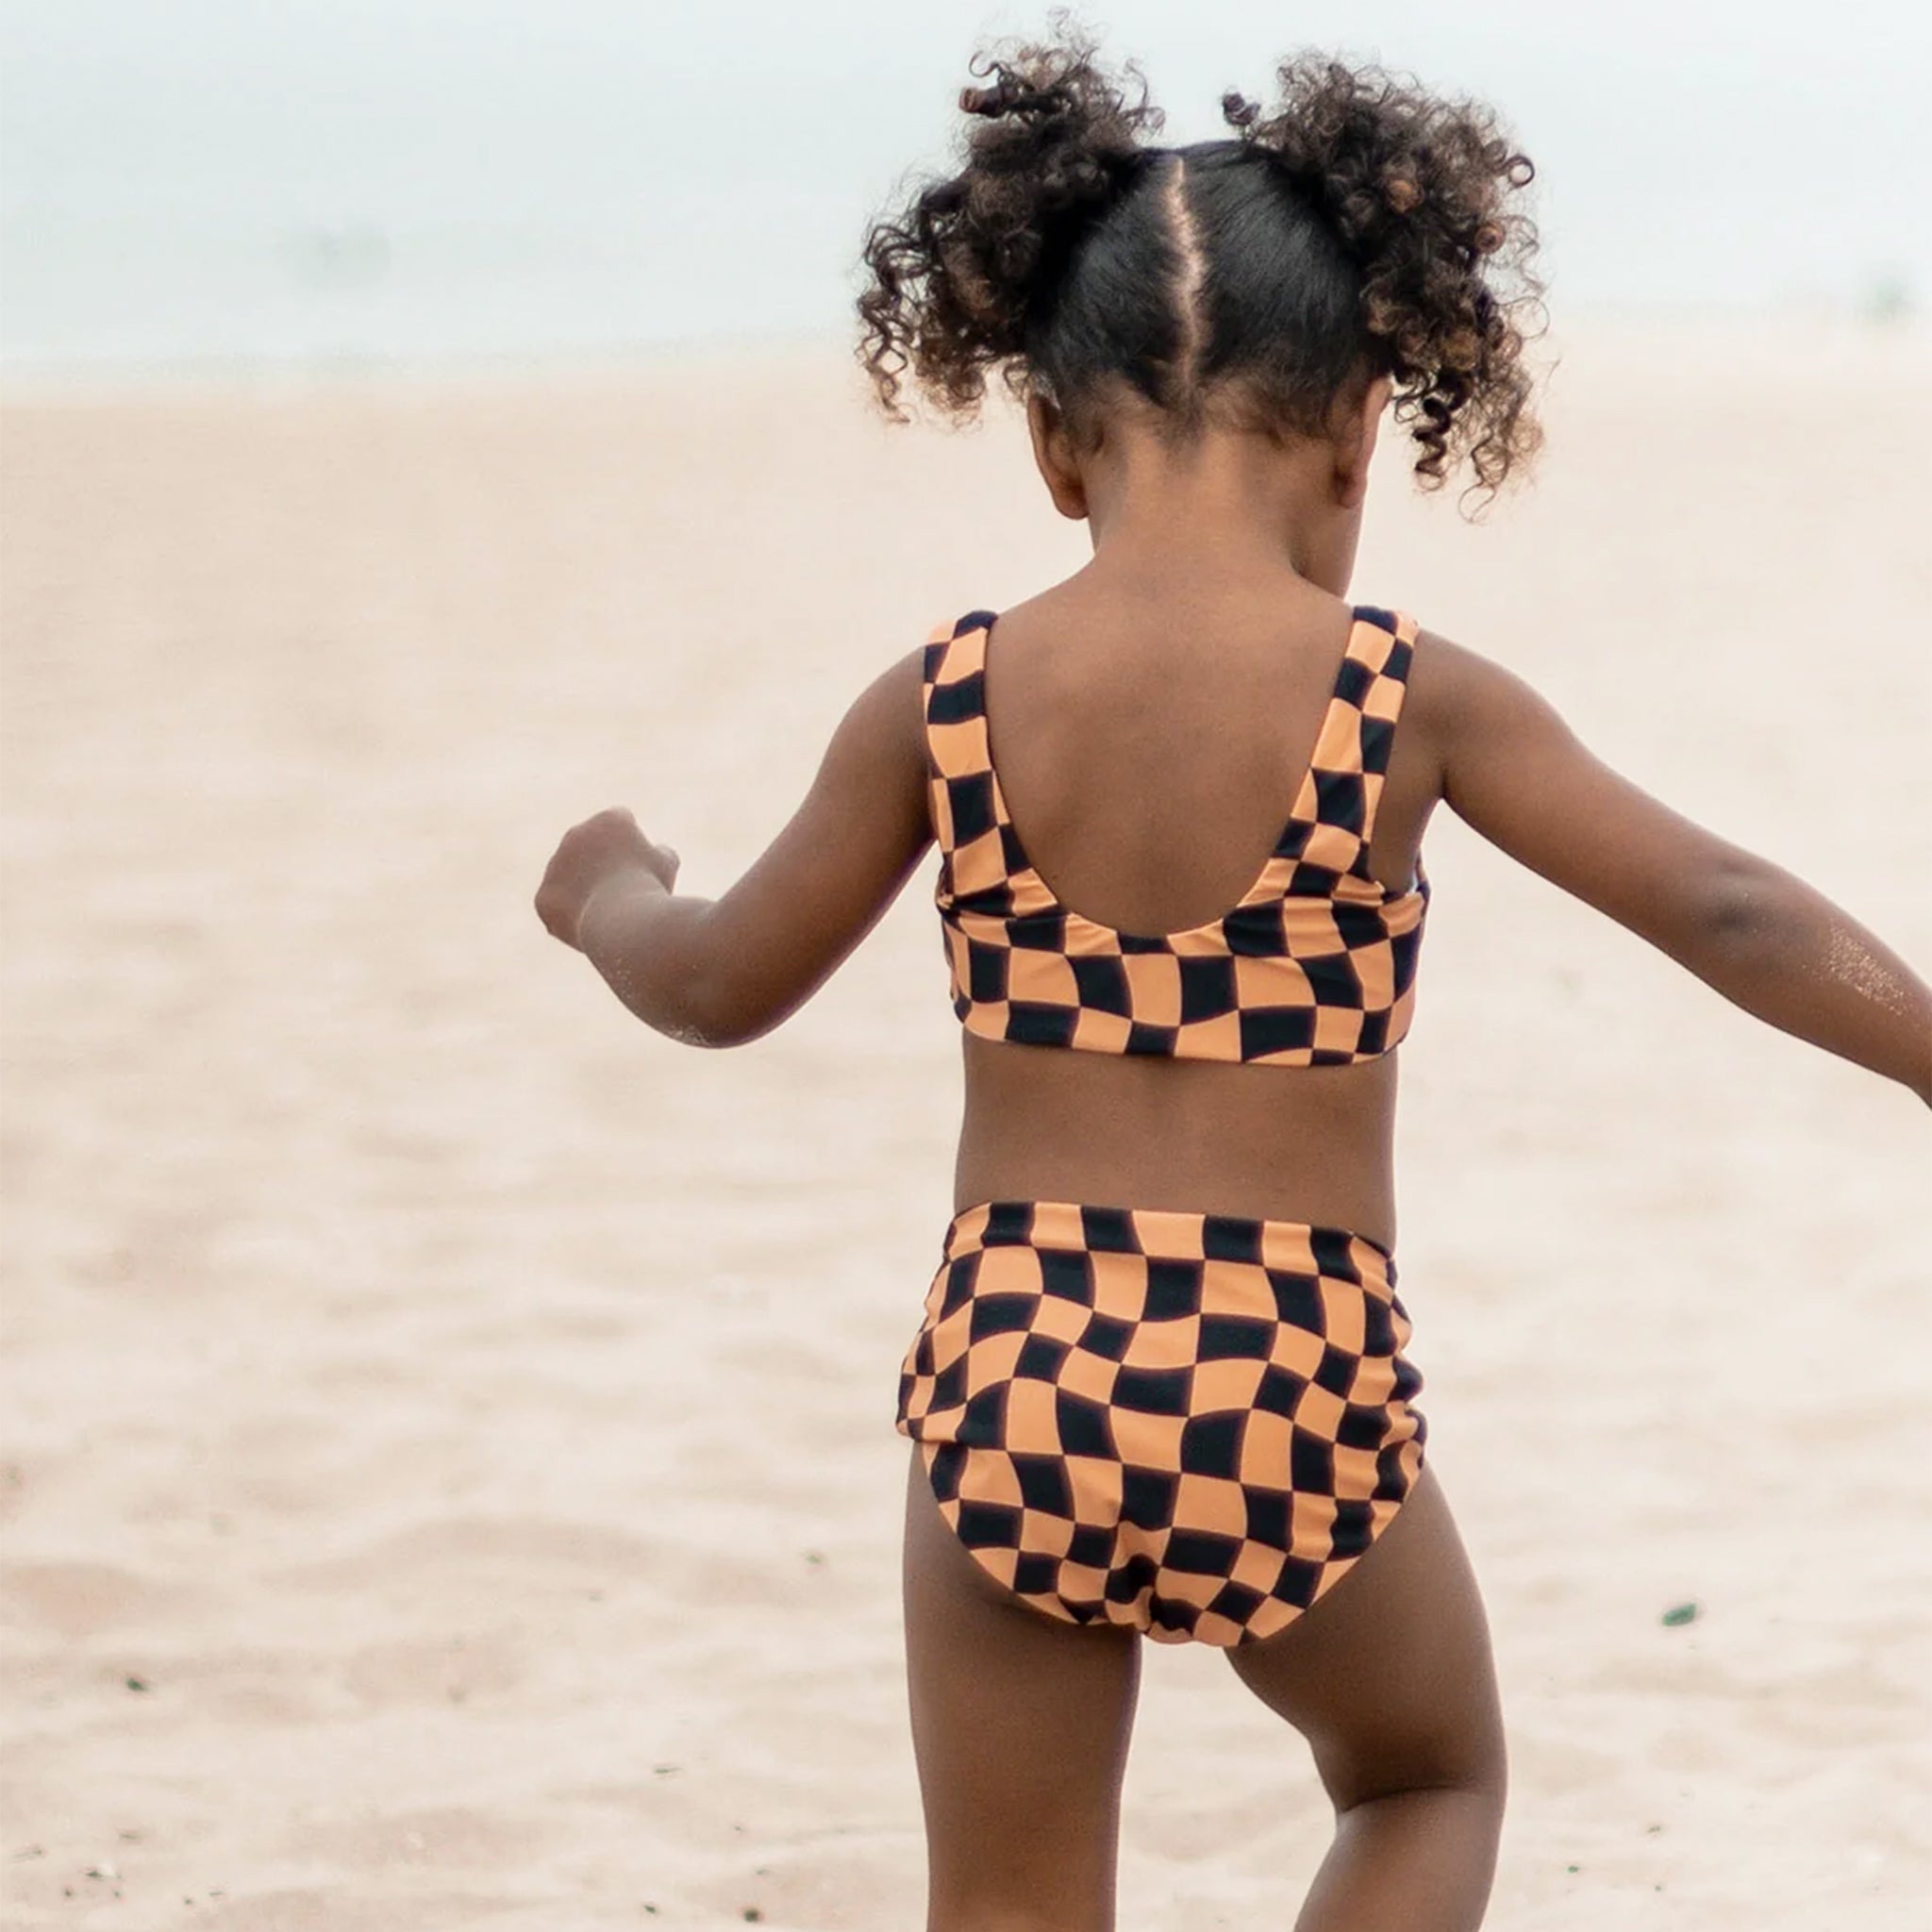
<point>212,183</point>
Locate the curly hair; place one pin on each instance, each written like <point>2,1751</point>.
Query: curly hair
<point>1362,228</point>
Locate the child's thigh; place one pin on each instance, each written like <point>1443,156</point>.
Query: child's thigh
<point>1019,1725</point>
<point>1390,1676</point>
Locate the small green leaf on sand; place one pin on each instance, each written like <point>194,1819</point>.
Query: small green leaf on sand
<point>1680,1613</point>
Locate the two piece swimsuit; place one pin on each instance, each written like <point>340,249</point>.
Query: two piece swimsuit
<point>1191,1424</point>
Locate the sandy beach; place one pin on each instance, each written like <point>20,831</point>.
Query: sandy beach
<point>446,1459</point>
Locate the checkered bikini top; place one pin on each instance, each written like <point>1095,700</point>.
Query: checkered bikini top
<point>1314,966</point>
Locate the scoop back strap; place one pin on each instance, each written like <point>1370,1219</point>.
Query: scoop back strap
<point>1314,965</point>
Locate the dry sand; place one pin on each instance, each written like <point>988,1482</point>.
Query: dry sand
<point>447,1450</point>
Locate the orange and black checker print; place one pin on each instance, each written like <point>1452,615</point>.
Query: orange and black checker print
<point>1314,966</point>
<point>1189,1424</point>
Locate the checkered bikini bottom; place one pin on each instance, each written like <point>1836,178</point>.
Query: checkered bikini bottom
<point>1190,1424</point>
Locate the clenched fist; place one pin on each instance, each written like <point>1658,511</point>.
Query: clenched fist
<point>588,855</point>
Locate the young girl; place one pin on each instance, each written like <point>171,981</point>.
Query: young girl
<point>1160,1388</point>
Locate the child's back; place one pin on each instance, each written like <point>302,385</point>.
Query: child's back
<point>1153,734</point>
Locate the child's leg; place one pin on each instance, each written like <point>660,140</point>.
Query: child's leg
<point>1390,1679</point>
<point>1019,1725</point>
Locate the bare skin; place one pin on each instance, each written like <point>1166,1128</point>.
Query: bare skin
<point>1200,644</point>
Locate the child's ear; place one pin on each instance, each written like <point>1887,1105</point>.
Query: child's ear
<point>1053,450</point>
<point>1357,444</point>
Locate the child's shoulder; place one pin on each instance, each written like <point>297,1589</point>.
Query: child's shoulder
<point>1457,689</point>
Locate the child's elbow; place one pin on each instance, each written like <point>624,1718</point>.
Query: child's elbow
<point>1740,902</point>
<point>718,1010</point>
<point>693,1015</point>
<point>1737,916</point>
<point>723,1031</point>
<point>689,1029</point>
<point>686,987</point>
<point>714,986</point>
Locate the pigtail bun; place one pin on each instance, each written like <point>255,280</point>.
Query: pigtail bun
<point>960,279</point>
<point>1419,192</point>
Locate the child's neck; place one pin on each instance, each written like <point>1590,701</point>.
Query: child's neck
<point>1226,504</point>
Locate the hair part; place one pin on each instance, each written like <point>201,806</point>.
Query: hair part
<point>1362,228</point>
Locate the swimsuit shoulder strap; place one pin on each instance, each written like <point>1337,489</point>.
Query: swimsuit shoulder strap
<point>1374,678</point>
<point>958,752</point>
<point>1343,787</point>
<point>1376,681</point>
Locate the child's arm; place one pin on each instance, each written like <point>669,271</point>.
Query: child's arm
<point>1513,770</point>
<point>717,973</point>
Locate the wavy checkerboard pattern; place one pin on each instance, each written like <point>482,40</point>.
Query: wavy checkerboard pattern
<point>1189,1424</point>
<point>1314,966</point>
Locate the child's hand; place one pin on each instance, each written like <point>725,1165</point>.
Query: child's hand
<point>591,855</point>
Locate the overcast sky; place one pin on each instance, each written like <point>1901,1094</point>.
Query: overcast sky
<point>407,174</point>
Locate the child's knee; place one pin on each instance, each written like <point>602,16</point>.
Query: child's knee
<point>1470,1761</point>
